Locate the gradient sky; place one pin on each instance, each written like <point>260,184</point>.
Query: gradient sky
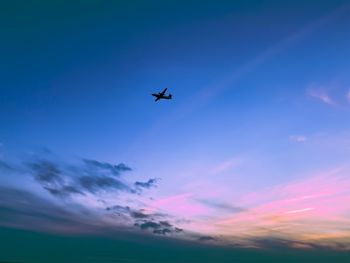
<point>254,145</point>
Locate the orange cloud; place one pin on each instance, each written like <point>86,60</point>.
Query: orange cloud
<point>315,210</point>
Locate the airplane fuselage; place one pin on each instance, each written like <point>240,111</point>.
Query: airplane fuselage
<point>161,95</point>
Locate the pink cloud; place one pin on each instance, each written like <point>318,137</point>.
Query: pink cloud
<point>312,210</point>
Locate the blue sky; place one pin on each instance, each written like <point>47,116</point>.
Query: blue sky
<point>261,94</point>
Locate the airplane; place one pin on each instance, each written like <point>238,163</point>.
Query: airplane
<point>161,95</point>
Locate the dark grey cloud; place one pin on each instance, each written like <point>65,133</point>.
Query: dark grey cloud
<point>63,180</point>
<point>46,172</point>
<point>150,183</point>
<point>115,170</point>
<point>153,223</point>
<point>149,225</point>
<point>26,210</point>
<point>165,224</point>
<point>162,231</point>
<point>206,238</point>
<point>135,214</point>
<point>159,227</point>
<point>178,230</point>
<point>64,191</point>
<point>94,184</point>
<point>139,215</point>
<point>119,208</point>
<point>51,177</point>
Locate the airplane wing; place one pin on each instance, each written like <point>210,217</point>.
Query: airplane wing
<point>163,92</point>
<point>158,98</point>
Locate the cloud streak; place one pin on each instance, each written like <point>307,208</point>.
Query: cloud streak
<point>321,95</point>
<point>298,138</point>
<point>314,211</point>
<point>23,209</point>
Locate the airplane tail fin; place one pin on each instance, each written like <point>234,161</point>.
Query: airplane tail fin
<point>170,96</point>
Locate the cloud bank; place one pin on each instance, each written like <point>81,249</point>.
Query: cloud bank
<point>81,197</point>
<point>90,196</point>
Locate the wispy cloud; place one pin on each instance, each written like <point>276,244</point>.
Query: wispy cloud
<point>221,206</point>
<point>314,210</point>
<point>321,94</point>
<point>227,165</point>
<point>298,138</point>
<point>334,93</point>
<point>180,205</point>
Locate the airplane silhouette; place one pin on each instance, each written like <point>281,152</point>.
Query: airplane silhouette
<point>161,95</point>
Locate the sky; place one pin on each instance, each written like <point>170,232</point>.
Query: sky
<point>253,149</point>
